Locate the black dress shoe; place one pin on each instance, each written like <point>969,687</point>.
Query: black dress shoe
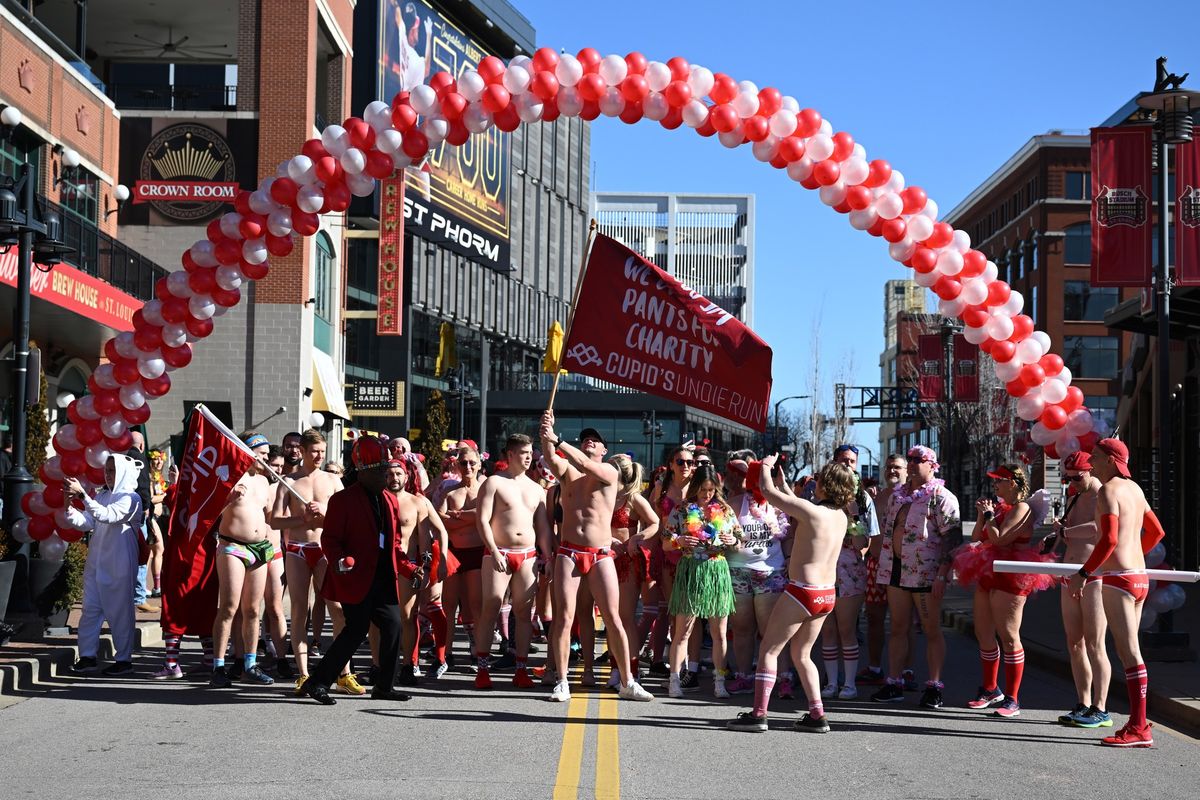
<point>318,693</point>
<point>390,694</point>
<point>407,676</point>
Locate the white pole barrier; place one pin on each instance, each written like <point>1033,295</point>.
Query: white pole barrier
<point>1066,570</point>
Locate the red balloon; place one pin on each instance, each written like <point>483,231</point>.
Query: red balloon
<point>121,443</point>
<point>986,345</point>
<point>491,69</point>
<point>678,94</point>
<point>338,196</point>
<point>636,63</point>
<point>634,88</point>
<point>454,104</point>
<point>311,148</point>
<point>403,117</point>
<point>202,281</point>
<point>68,535</point>
<point>178,357</point>
<point>227,297</point>
<point>27,502</point>
<point>105,401</point>
<point>458,133</point>
<point>843,146</point>
<point>975,316</point>
<point>706,128</point>
<point>791,148</point>
<point>914,198</point>
<point>507,119</point>
<point>632,113</point>
<point>157,387</point>
<point>724,88</point>
<point>1022,327</point>
<point>189,263</point>
<point>591,87</point>
<point>998,293</point>
<point>1052,363</point>
<point>770,100</point>
<point>974,263</point>
<point>138,416</point>
<point>379,165</point>
<point>279,246</point>
<point>88,432</point>
<point>241,203</point>
<point>828,172</point>
<point>283,191</point>
<point>756,128</point>
<point>811,182</point>
<point>415,145</point>
<point>923,259</point>
<point>196,327</point>
<point>40,528</point>
<point>942,235</point>
<point>843,208</point>
<point>1003,352</point>
<point>858,197</point>
<point>174,311</point>
<point>110,350</point>
<point>73,462</point>
<point>95,475</point>
<point>305,224</point>
<point>252,226</point>
<point>494,98</point>
<point>256,272</point>
<point>1053,417</point>
<point>1032,375</point>
<point>1051,450</point>
<point>808,122</point>
<point>360,133</point>
<point>149,338</point>
<point>672,120</point>
<point>126,373</point>
<point>442,83</point>
<point>680,68</point>
<point>1016,388</point>
<point>161,292</point>
<point>723,117</point>
<point>213,231</point>
<point>947,286</point>
<point>1088,441</point>
<point>589,58</point>
<point>550,112</point>
<point>880,173</point>
<point>894,230</point>
<point>1074,399</point>
<point>876,228</point>
<point>227,252</point>
<point>590,110</point>
<point>545,86</point>
<point>545,59</point>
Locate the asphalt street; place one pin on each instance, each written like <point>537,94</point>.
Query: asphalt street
<point>136,738</point>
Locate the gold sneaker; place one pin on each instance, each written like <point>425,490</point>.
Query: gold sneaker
<point>299,690</point>
<point>347,684</point>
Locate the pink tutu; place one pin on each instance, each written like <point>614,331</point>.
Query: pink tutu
<point>973,568</point>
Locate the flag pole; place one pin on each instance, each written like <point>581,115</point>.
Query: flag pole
<point>583,259</point>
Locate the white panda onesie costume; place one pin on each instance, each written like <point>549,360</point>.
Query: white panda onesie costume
<point>114,517</point>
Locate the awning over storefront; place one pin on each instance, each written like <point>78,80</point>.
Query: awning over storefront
<point>328,394</point>
<point>1133,315</point>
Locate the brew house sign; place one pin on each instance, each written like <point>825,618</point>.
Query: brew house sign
<point>187,173</point>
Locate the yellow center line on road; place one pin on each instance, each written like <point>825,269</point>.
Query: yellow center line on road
<point>608,751</point>
<point>570,758</point>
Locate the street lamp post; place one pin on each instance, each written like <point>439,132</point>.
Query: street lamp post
<point>652,429</point>
<point>460,385</point>
<point>778,403</point>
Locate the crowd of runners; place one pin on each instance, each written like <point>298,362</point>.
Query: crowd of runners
<point>695,557</point>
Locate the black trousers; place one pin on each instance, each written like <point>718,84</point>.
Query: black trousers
<point>381,607</point>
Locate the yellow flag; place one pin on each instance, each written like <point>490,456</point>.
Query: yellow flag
<point>447,358</point>
<point>554,346</point>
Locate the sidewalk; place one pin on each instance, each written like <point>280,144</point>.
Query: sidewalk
<point>1174,694</point>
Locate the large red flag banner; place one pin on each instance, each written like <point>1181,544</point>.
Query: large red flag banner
<point>213,461</point>
<point>1122,233</point>
<point>1187,213</point>
<point>638,326</point>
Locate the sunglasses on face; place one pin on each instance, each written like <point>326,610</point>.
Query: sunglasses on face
<point>684,462</point>
<point>1074,477</point>
<point>468,463</point>
<point>915,460</point>
<point>844,448</point>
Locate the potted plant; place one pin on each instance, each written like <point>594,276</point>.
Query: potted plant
<point>8,568</point>
<point>58,585</point>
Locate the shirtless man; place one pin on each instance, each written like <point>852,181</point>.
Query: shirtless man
<point>1119,558</point>
<point>513,527</point>
<point>243,552</point>
<point>589,496</point>
<point>812,570</point>
<point>276,622</point>
<point>304,563</point>
<point>458,511</point>
<point>1083,620</point>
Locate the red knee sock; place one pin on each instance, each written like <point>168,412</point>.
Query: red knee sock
<point>764,682</point>
<point>1014,670</point>
<point>172,647</point>
<point>989,661</point>
<point>439,623</point>
<point>1136,682</point>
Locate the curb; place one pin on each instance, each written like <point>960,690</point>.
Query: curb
<point>20,675</point>
<point>1179,714</point>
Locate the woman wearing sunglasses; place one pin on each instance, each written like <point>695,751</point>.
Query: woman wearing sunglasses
<point>1003,530</point>
<point>669,493</point>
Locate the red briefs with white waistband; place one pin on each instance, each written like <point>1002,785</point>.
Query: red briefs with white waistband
<point>310,551</point>
<point>584,557</point>
<point>816,600</point>
<point>516,556</point>
<point>1133,582</point>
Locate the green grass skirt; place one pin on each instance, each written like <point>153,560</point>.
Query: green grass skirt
<point>702,588</point>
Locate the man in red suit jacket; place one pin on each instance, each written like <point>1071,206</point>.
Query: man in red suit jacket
<point>369,572</point>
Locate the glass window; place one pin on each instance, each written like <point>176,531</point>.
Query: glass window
<point>362,347</point>
<point>1078,248</point>
<point>1033,305</point>
<point>1078,186</point>
<point>79,192</point>
<point>1082,301</point>
<point>1104,412</point>
<point>1092,356</point>
<point>324,285</point>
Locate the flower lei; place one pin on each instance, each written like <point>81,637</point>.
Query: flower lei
<point>905,497</point>
<point>705,523</point>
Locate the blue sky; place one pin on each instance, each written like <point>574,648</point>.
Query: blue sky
<point>944,91</point>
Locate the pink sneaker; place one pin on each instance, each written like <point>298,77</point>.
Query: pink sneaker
<point>740,685</point>
<point>785,689</point>
<point>168,674</point>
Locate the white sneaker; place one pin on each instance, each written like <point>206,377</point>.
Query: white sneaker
<point>417,673</point>
<point>848,693</point>
<point>561,693</point>
<point>829,691</point>
<point>440,669</point>
<point>719,690</point>
<point>634,691</point>
<point>673,688</point>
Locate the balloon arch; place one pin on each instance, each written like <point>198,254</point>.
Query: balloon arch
<point>348,159</point>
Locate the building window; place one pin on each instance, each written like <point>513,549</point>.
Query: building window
<point>1104,413</point>
<point>324,284</point>
<point>1078,247</point>
<point>1033,305</point>
<point>1082,301</point>
<point>1091,356</point>
<point>1078,186</point>
<point>80,190</point>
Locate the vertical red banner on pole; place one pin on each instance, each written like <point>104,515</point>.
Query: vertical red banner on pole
<point>1122,233</point>
<point>1187,213</point>
<point>390,320</point>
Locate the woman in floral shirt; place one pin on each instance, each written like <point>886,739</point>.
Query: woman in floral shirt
<point>921,528</point>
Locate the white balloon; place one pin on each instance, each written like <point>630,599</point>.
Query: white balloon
<point>353,161</point>
<point>422,98</point>
<point>1014,304</point>
<point>1156,556</point>
<point>177,284</point>
<point>522,61</point>
<point>378,115</point>
<point>1044,338</point>
<point>613,102</point>
<point>1079,422</point>
<point>863,219</point>
<point>819,147</point>
<point>1029,351</point>
<point>700,81</point>
<point>471,85</point>
<point>789,103</point>
<point>695,113</point>
<point>889,205</point>
<point>930,210</point>
<point>1149,617</point>
<point>255,250</point>
<point>334,139</point>
<point>902,250</point>
<point>260,203</point>
<point>896,181</point>
<point>783,123</point>
<point>300,169</point>
<point>768,148</point>
<point>174,335</point>
<point>613,69</point>
<point>316,419</point>
<point>973,292</point>
<point>1008,370</point>
<point>1000,328</point>
<point>388,141</point>
<point>833,194</point>
<point>516,79</point>
<point>86,408</point>
<point>54,548</point>
<point>855,171</point>
<point>229,225</point>
<point>201,307</point>
<point>66,434</point>
<point>926,279</point>
<point>529,109</point>
<point>98,453</point>
<point>655,107</point>
<point>746,104</point>
<point>476,118</point>
<point>1041,435</point>
<point>569,101</point>
<point>310,199</point>
<point>229,278</point>
<point>801,168</point>
<point>733,138</point>
<point>951,308</point>
<point>658,75</point>
<point>989,273</point>
<point>104,377</point>
<point>1054,390</point>
<point>1065,376</point>
<point>950,262</point>
<point>920,227</point>
<point>132,398</point>
<point>152,368</point>
<point>437,128</point>
<point>360,185</point>
<point>568,70</point>
<point>975,335</point>
<point>961,241</point>
<point>202,253</point>
<point>38,505</point>
<point>20,531</point>
<point>1031,406</point>
<point>123,341</point>
<point>279,223</point>
<point>152,311</point>
<point>113,426</point>
<point>220,311</point>
<point>1066,444</point>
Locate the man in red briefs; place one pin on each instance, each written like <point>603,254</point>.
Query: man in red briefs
<point>589,497</point>
<point>515,528</point>
<point>1128,530</point>
<point>810,593</point>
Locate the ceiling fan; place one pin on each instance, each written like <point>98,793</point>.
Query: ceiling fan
<point>171,48</point>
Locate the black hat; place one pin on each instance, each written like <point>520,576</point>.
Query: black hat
<point>592,433</point>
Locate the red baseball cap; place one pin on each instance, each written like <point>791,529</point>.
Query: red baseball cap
<point>1002,473</point>
<point>1078,461</point>
<point>1118,452</point>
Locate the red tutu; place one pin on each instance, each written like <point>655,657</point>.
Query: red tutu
<point>973,568</point>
